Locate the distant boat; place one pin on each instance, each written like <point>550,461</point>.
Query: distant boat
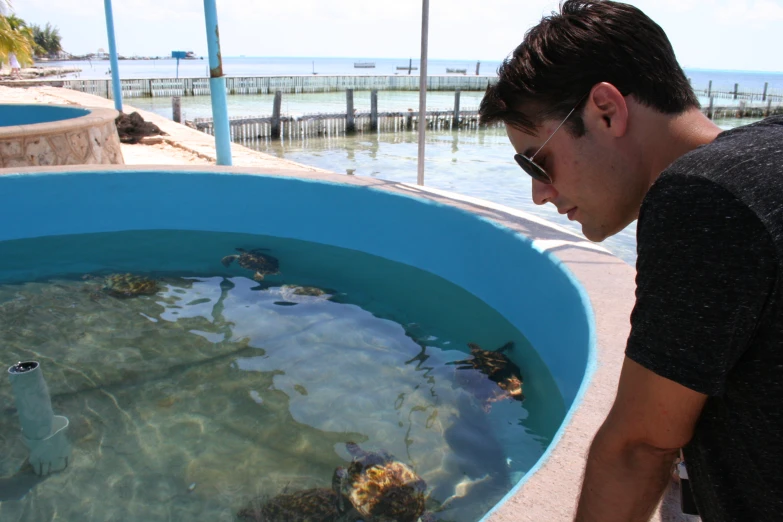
<point>405,68</point>
<point>457,71</point>
<point>364,65</point>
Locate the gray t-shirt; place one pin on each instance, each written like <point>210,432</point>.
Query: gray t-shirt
<point>709,312</point>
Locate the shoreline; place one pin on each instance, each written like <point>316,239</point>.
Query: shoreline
<point>36,72</point>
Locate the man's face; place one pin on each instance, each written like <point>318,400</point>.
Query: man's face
<point>590,181</point>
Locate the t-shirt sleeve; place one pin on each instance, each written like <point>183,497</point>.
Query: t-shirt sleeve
<point>706,268</point>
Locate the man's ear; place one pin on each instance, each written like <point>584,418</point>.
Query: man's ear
<point>606,110</point>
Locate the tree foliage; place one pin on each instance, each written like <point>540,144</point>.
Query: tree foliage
<point>47,39</point>
<point>25,40</point>
<point>15,36</point>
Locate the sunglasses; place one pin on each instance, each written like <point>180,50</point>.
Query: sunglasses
<point>535,170</point>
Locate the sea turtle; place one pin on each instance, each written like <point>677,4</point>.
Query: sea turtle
<point>307,505</point>
<point>379,487</point>
<point>263,264</point>
<point>497,366</point>
<point>129,285</point>
<point>302,294</point>
<point>304,290</point>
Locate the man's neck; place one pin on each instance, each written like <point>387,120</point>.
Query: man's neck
<point>675,136</point>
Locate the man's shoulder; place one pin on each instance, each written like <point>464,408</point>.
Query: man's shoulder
<point>736,156</point>
<point>742,167</point>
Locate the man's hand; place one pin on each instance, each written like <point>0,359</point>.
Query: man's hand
<point>630,460</point>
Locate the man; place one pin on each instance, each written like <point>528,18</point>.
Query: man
<point>704,362</point>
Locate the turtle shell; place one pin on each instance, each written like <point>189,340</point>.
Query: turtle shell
<point>497,366</point>
<point>255,260</point>
<point>381,488</point>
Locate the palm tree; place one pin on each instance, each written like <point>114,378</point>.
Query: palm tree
<point>48,40</point>
<point>15,36</point>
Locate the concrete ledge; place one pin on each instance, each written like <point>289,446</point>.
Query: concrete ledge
<point>178,135</point>
<point>88,139</point>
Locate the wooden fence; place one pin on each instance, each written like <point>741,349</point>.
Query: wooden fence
<point>329,125</point>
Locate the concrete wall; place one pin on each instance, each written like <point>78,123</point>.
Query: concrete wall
<point>523,266</point>
<point>502,268</point>
<point>42,135</point>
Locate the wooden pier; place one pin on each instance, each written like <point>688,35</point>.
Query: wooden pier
<point>168,87</point>
<point>736,94</point>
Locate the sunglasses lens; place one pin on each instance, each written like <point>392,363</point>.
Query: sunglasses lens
<point>535,172</point>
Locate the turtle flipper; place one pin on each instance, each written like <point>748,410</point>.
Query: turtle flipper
<point>258,276</point>
<point>506,347</point>
<point>229,259</point>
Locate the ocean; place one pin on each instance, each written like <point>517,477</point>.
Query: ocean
<point>472,162</point>
<point>284,66</point>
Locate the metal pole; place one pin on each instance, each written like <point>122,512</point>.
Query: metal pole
<point>217,86</point>
<point>425,21</point>
<point>115,66</point>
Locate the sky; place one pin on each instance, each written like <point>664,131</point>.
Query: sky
<point>705,34</point>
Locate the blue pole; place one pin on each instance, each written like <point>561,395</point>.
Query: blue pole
<point>217,86</point>
<point>115,67</point>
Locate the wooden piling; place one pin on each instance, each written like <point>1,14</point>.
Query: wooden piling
<point>478,64</point>
<point>764,95</point>
<point>768,110</point>
<point>736,88</point>
<point>374,110</point>
<point>176,109</point>
<point>275,133</point>
<point>409,120</point>
<point>455,119</point>
<point>350,124</point>
<point>709,89</point>
<point>710,109</point>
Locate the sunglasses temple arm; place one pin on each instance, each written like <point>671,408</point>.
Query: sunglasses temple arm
<point>553,133</point>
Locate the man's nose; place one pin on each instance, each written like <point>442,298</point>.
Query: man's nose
<point>542,192</point>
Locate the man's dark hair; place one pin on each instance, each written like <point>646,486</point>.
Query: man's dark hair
<point>567,53</point>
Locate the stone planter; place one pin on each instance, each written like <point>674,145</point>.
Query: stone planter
<point>39,135</point>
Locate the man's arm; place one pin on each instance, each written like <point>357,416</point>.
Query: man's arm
<point>630,459</point>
